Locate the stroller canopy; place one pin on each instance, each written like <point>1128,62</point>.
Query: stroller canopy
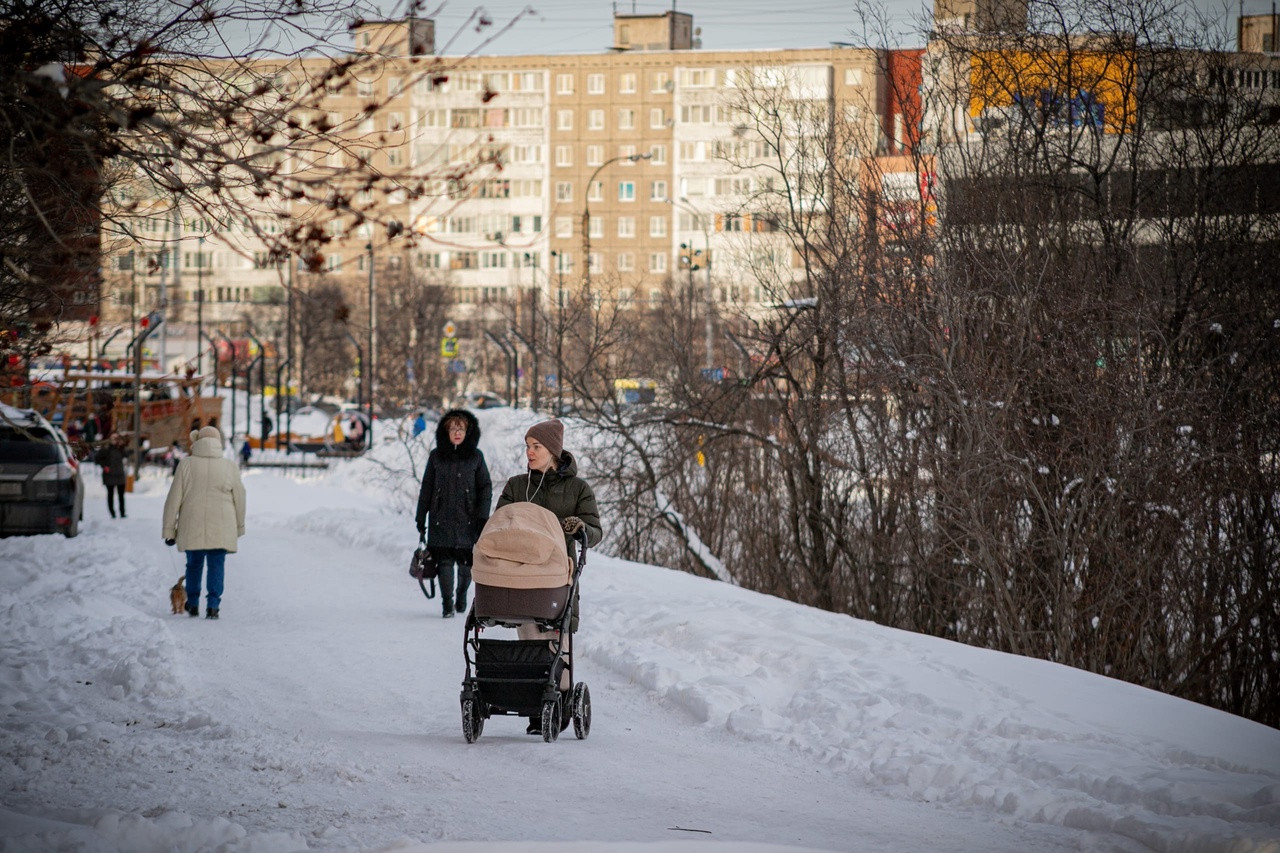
<point>522,547</point>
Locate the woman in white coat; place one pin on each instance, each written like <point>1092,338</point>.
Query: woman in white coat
<point>204,515</point>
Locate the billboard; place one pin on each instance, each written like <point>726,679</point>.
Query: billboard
<point>1055,88</point>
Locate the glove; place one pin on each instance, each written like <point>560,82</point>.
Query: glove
<point>171,542</point>
<point>572,525</point>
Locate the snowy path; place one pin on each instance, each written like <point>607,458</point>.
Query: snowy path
<point>321,711</point>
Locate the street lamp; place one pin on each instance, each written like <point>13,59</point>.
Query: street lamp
<point>586,211</point>
<point>533,329</point>
<point>559,332</point>
<point>200,310</point>
<point>685,204</point>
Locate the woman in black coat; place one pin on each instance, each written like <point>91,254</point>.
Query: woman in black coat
<point>453,504</point>
<point>114,475</point>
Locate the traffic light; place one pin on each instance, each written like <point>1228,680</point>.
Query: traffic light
<point>689,257</point>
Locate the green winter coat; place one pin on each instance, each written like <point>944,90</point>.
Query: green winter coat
<point>563,492</point>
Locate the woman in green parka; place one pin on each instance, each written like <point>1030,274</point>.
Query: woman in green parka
<point>552,482</point>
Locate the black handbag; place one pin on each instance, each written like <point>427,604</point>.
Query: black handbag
<point>423,569</point>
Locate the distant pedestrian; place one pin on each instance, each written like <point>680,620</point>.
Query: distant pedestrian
<point>110,457</point>
<point>246,451</point>
<point>204,516</point>
<point>175,455</point>
<point>453,504</point>
<point>268,427</point>
<point>419,425</point>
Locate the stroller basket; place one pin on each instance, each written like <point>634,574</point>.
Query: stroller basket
<point>514,673</point>
<point>504,604</point>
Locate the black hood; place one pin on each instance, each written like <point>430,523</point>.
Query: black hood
<point>469,444</point>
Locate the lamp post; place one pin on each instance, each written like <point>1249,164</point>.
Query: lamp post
<point>533,330</point>
<point>685,204</point>
<point>231,351</point>
<point>559,332</point>
<point>200,308</point>
<point>149,324</point>
<point>586,211</point>
<point>261,361</point>
<point>360,360</point>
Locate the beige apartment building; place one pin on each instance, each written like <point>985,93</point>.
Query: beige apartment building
<point>514,177</point>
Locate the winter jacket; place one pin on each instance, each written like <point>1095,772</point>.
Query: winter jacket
<point>205,506</point>
<point>111,458</point>
<point>563,492</point>
<point>456,488</point>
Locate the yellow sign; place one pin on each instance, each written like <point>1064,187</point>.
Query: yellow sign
<point>448,347</point>
<point>1084,88</point>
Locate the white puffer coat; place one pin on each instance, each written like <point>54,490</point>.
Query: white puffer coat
<point>205,506</point>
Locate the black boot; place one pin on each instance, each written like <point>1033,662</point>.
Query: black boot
<point>211,613</point>
<point>534,727</point>
<point>193,610</point>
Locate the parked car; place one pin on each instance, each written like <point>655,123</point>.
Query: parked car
<point>482,400</point>
<point>41,490</point>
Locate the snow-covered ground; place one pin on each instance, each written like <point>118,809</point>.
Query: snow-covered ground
<point>321,711</point>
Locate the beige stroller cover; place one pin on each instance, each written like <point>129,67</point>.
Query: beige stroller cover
<point>522,547</point>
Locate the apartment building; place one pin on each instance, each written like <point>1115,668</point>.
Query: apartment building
<point>514,175</point>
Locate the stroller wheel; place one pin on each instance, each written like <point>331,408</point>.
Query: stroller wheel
<point>581,710</point>
<point>472,720</point>
<point>550,720</point>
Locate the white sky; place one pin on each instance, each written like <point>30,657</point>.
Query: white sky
<point>321,711</point>
<point>585,26</point>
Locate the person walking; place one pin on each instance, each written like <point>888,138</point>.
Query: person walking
<point>552,482</point>
<point>204,516</point>
<point>453,504</point>
<point>110,457</point>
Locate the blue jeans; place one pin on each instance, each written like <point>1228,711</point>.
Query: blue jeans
<point>217,558</point>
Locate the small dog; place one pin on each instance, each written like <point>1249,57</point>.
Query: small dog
<point>178,596</point>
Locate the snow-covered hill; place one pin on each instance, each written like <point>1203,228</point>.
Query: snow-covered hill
<point>321,710</point>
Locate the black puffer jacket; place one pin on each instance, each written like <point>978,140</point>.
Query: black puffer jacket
<point>456,488</point>
<point>111,458</point>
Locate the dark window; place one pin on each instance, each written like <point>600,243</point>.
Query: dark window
<point>28,445</point>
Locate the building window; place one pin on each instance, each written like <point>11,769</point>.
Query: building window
<point>627,83</point>
<point>564,155</point>
<point>564,226</point>
<point>596,191</point>
<point>364,88</point>
<point>655,298</point>
<point>626,226</point>
<point>659,153</point>
<point>595,120</point>
<point>626,296</point>
<point>564,191</point>
<point>658,81</point>
<point>657,262</point>
<point>657,226</point>
<point>658,190</point>
<point>597,226</point>
<point>657,117</point>
<point>564,119</point>
<point>564,84</point>
<point>595,262</point>
<point>626,190</point>
<point>698,77</point>
<point>595,84</point>
<point>595,155</point>
<point>626,119</point>
<point>626,262</point>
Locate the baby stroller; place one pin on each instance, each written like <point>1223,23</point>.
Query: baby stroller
<point>523,578</point>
